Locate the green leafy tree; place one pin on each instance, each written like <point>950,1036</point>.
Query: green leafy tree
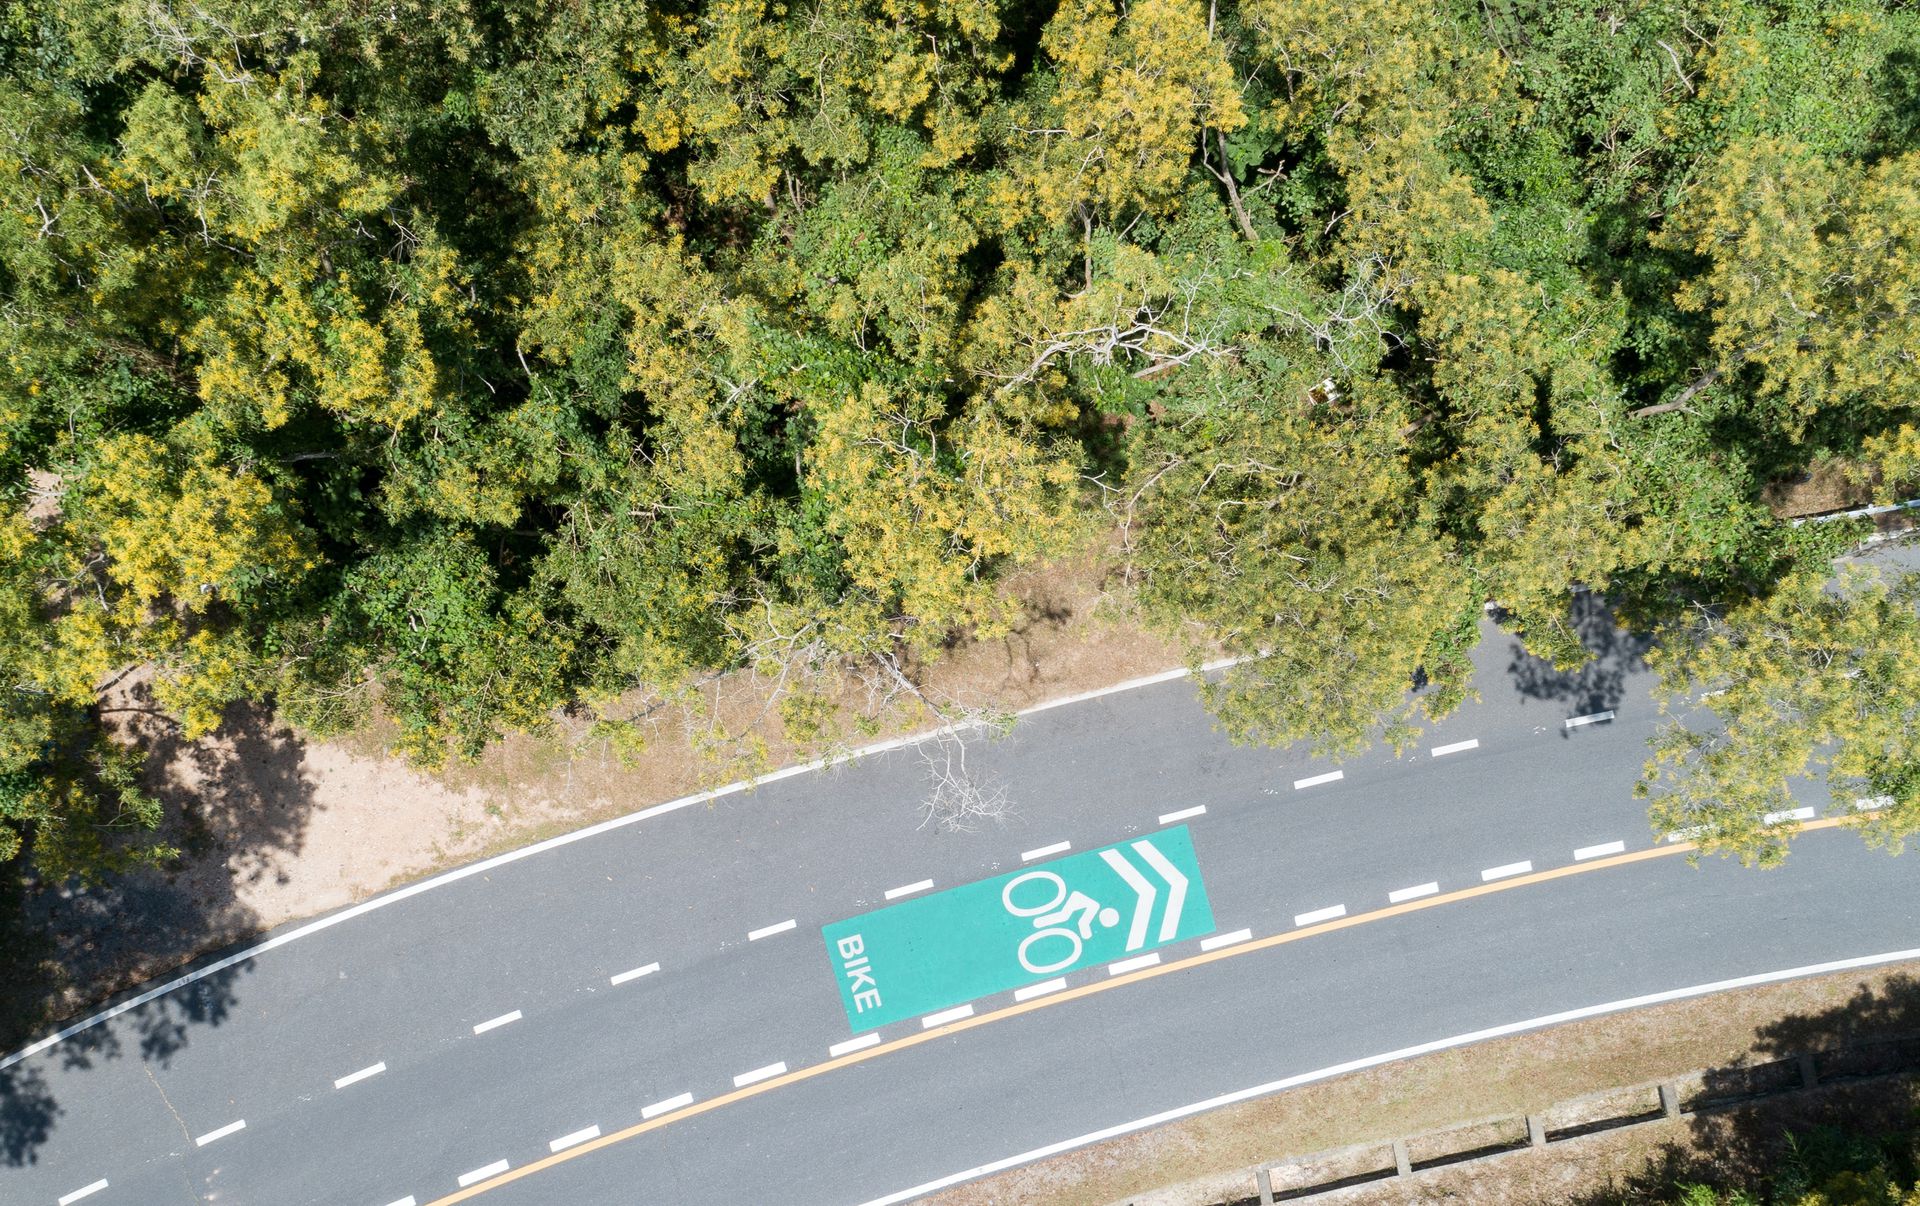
<point>1809,682</point>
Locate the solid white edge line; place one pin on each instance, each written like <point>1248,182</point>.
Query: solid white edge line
<point>481,1174</point>
<point>635,974</point>
<point>945,1016</point>
<point>1429,888</point>
<point>853,1045</point>
<point>354,1078</point>
<point>1372,1061</point>
<point>83,1191</point>
<point>1039,990</point>
<point>1219,940</point>
<point>574,1140</point>
<point>221,1133</point>
<point>771,930</point>
<point>496,1023</point>
<point>566,839</point>
<point>1574,722</point>
<point>767,1073</point>
<point>1318,915</point>
<point>1198,810</point>
<point>1317,780</point>
<point>1458,747</point>
<point>1789,814</point>
<point>1586,852</point>
<point>661,1107</point>
<point>908,889</point>
<point>1028,856</point>
<point>1134,964</point>
<point>1132,684</point>
<point>1506,870</point>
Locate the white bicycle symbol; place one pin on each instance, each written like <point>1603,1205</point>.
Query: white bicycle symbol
<point>1061,906</point>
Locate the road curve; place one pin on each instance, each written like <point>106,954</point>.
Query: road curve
<point>556,1001</point>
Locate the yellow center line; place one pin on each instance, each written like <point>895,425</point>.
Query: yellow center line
<point>1085,990</point>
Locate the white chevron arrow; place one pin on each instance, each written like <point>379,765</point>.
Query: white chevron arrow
<point>1143,892</point>
<point>1170,920</point>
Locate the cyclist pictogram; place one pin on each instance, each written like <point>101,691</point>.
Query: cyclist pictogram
<point>1050,905</point>
<point>935,951</point>
<point>1061,906</point>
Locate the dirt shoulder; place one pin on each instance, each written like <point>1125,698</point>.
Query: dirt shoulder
<point>274,828</point>
<point>1211,1158</point>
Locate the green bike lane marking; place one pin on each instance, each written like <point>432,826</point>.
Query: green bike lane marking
<point>933,952</point>
<point>1092,988</point>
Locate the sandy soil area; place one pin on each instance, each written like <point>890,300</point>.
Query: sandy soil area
<point>276,828</point>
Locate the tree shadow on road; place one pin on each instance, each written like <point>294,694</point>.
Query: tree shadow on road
<point>1600,684</point>
<point>153,1032</point>
<point>237,804</point>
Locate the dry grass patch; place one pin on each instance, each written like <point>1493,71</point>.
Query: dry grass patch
<point>1212,1157</point>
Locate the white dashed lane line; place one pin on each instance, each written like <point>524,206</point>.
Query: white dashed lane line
<point>354,1078</point>
<point>1038,990</point>
<point>222,1133</point>
<point>1574,722</point>
<point>669,1105</point>
<point>945,1016</point>
<point>83,1191</point>
<point>767,1073</point>
<point>1320,915</point>
<point>496,1023</point>
<point>1790,814</point>
<point>406,1201</point>
<point>481,1174</point>
<point>1026,993</point>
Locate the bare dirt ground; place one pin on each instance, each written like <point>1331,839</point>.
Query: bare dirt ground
<point>1826,486</point>
<point>274,828</point>
<point>1211,1157</point>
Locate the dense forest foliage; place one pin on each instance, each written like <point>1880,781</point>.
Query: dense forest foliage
<point>488,357</point>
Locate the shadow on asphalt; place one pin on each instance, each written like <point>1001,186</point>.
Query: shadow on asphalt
<point>238,806</point>
<point>1597,686</point>
<point>152,1033</point>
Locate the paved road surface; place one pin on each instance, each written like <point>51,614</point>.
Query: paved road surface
<point>404,994</point>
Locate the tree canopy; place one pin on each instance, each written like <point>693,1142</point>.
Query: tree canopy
<point>483,357</point>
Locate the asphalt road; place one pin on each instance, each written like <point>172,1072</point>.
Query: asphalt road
<point>537,942</point>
